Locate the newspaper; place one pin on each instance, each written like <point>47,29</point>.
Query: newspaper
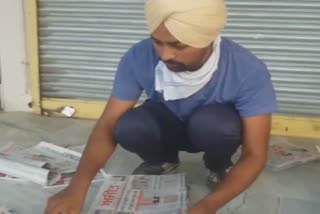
<point>61,181</point>
<point>141,194</point>
<point>17,152</point>
<point>57,159</point>
<point>285,155</point>
<point>26,172</point>
<point>5,210</point>
<point>45,164</point>
<point>10,178</point>
<point>49,156</point>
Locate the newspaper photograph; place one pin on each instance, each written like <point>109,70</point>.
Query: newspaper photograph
<point>65,179</point>
<point>141,194</point>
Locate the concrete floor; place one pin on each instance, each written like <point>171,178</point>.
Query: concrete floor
<point>293,191</point>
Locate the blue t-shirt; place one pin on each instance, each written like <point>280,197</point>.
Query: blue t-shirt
<point>241,80</point>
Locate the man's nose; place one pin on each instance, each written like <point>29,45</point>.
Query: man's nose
<point>167,53</point>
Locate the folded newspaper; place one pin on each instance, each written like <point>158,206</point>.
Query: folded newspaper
<point>45,164</point>
<point>5,210</point>
<point>285,155</point>
<point>141,194</point>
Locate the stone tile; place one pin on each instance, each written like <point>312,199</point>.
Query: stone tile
<point>298,206</point>
<point>294,191</point>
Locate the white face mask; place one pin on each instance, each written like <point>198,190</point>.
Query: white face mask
<point>179,85</point>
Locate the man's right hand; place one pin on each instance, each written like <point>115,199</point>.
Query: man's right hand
<point>100,147</point>
<point>67,201</point>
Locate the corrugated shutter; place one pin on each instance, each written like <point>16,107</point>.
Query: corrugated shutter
<point>286,35</point>
<point>82,41</point>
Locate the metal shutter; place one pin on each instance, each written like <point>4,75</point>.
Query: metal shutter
<point>81,42</point>
<point>286,35</point>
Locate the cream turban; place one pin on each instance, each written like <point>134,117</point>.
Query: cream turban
<point>196,23</point>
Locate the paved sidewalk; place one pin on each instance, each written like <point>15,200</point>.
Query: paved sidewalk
<point>294,191</point>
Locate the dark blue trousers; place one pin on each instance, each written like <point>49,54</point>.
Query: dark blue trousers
<point>154,133</point>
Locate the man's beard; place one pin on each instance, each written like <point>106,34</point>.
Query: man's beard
<point>175,66</point>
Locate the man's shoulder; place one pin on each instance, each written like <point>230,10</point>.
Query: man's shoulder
<point>141,52</point>
<point>142,45</point>
<point>243,65</point>
<point>241,55</point>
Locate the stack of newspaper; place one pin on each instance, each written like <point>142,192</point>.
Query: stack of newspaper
<point>45,164</point>
<point>141,194</point>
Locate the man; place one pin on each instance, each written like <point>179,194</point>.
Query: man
<point>206,93</point>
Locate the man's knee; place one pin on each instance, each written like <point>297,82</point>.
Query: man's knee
<point>213,124</point>
<point>134,129</point>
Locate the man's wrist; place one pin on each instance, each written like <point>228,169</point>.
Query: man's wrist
<point>209,204</point>
<point>80,181</point>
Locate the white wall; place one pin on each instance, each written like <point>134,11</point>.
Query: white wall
<point>15,84</point>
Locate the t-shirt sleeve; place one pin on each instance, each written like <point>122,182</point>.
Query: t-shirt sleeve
<point>125,85</point>
<point>256,95</point>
